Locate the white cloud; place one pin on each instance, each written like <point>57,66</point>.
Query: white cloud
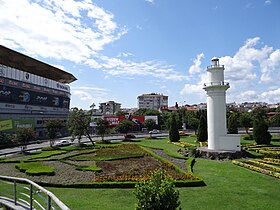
<point>270,67</point>
<point>150,1</point>
<point>90,94</point>
<point>267,2</point>
<point>271,96</point>
<point>244,65</point>
<point>196,67</point>
<point>252,72</point>
<point>70,30</point>
<point>154,68</point>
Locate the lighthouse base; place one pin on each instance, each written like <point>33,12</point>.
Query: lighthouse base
<point>204,152</point>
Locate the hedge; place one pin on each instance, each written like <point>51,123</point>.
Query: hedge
<point>262,165</point>
<point>120,184</point>
<point>257,169</point>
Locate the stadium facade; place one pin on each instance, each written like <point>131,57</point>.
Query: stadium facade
<point>31,92</point>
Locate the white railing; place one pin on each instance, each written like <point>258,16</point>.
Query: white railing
<point>215,66</point>
<point>24,192</point>
<point>216,84</point>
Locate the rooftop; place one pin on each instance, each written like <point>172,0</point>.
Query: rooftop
<point>20,61</point>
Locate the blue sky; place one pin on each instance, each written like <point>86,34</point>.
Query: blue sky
<point>121,49</point>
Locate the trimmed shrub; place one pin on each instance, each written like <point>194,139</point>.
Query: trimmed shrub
<point>202,134</point>
<point>173,130</point>
<point>260,132</point>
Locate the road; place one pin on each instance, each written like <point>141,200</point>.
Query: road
<point>37,146</point>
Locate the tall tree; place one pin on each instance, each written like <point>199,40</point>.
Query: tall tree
<point>246,121</point>
<point>233,123</point>
<point>193,124</point>
<point>78,123</point>
<point>53,126</point>
<point>260,131</point>
<point>102,127</point>
<point>25,135</point>
<point>202,134</point>
<point>174,135</point>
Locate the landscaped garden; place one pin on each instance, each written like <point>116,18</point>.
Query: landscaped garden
<point>118,165</point>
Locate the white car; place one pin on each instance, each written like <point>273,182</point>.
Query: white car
<point>155,131</point>
<point>63,143</point>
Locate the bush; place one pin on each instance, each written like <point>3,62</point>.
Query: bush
<point>157,194</point>
<point>260,132</point>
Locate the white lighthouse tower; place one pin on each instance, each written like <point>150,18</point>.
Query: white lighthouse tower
<point>216,110</point>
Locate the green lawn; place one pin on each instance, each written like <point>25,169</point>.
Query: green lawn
<point>228,187</point>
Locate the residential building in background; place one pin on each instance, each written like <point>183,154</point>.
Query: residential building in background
<point>31,92</point>
<point>152,101</point>
<point>109,108</point>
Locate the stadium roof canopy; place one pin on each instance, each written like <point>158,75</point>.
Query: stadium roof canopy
<point>25,63</point>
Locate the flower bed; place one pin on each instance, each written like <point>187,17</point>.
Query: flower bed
<point>128,164</point>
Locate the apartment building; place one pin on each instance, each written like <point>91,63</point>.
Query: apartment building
<point>152,101</point>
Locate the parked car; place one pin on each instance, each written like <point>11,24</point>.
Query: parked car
<point>63,143</point>
<point>155,131</point>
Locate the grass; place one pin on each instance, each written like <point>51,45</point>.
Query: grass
<point>228,187</point>
<point>163,144</point>
<point>90,168</point>
<point>45,154</point>
<point>35,168</point>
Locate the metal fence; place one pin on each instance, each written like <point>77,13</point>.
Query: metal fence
<point>21,193</point>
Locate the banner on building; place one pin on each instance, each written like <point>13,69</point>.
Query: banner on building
<point>115,120</point>
<point>6,125</point>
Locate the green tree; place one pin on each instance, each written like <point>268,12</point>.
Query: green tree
<point>78,123</point>
<point>174,135</point>
<point>260,132</point>
<point>158,193</point>
<point>25,135</point>
<point>276,119</point>
<point>102,127</point>
<point>202,134</point>
<point>124,126</point>
<point>245,120</point>
<point>53,126</point>
<point>150,124</point>
<point>193,124</point>
<point>233,123</point>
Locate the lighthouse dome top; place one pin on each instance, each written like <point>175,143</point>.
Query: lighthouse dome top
<point>215,59</point>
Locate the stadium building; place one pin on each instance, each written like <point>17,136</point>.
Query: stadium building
<point>31,92</point>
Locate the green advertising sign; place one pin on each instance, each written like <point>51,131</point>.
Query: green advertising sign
<point>6,125</point>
